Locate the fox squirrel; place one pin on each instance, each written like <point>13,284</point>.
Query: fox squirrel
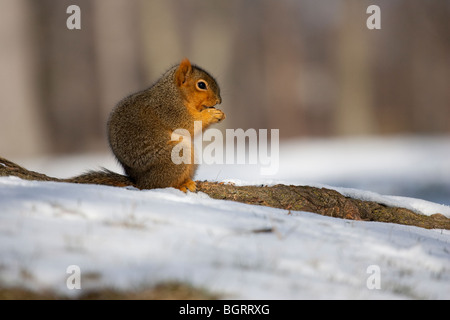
<point>140,129</point>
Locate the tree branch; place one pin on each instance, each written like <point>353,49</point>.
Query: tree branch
<point>322,201</point>
<point>301,198</point>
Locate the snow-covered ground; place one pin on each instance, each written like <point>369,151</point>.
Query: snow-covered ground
<point>125,238</point>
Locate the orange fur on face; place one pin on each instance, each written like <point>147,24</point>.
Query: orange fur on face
<point>199,102</point>
<point>186,79</point>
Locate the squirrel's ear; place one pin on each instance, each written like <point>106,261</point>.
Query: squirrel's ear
<point>183,72</point>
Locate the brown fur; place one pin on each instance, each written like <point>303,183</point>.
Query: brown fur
<point>140,129</point>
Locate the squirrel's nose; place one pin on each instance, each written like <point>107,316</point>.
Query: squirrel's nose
<point>219,100</point>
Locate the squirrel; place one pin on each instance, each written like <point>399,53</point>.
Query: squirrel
<point>140,131</point>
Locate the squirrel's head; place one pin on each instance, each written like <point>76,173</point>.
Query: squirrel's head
<point>198,88</point>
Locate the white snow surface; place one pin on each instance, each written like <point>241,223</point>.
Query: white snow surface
<point>130,239</point>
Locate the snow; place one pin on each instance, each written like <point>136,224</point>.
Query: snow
<point>126,238</point>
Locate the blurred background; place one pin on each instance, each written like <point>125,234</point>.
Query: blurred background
<point>310,68</point>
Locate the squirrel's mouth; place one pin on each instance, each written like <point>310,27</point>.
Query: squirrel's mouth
<point>207,107</point>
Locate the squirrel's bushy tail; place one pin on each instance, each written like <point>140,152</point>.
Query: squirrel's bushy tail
<point>104,177</point>
<point>9,168</point>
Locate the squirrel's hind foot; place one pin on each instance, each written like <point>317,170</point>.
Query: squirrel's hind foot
<point>188,185</point>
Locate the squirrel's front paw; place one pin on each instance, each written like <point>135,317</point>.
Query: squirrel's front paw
<point>215,114</point>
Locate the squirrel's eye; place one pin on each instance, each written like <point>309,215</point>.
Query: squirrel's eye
<point>201,85</point>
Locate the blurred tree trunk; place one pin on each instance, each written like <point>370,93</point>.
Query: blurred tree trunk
<point>86,72</point>
<point>69,79</point>
<point>161,49</point>
<point>68,95</point>
<point>248,99</point>
<point>355,113</point>
<point>117,35</point>
<point>430,65</point>
<point>23,126</point>
<point>282,64</point>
